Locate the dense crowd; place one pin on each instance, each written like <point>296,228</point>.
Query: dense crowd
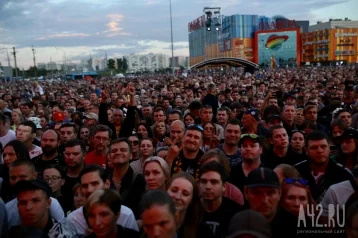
<point>214,154</point>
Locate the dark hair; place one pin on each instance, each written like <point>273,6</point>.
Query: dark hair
<point>352,209</point>
<point>29,124</point>
<point>94,168</point>
<point>69,124</point>
<point>315,136</point>
<point>206,106</point>
<point>176,112</point>
<point>21,162</point>
<point>2,118</point>
<point>224,109</point>
<point>58,167</point>
<point>216,167</point>
<point>273,128</point>
<point>150,133</point>
<point>75,142</point>
<point>219,155</point>
<point>122,139</point>
<point>20,149</point>
<point>194,105</point>
<point>270,110</point>
<point>339,123</point>
<point>101,128</point>
<point>234,121</point>
<point>156,197</point>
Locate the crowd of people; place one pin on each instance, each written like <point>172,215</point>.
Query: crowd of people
<point>214,154</point>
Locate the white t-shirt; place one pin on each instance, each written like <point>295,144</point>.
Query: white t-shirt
<point>35,152</point>
<point>77,221</point>
<point>13,215</point>
<point>337,194</point>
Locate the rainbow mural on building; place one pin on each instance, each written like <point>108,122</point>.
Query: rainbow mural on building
<point>274,42</point>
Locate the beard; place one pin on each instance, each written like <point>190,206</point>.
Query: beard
<point>48,150</point>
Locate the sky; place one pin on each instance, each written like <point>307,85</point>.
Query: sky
<point>80,28</point>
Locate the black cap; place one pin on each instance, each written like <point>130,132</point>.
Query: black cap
<point>262,177</point>
<point>349,133</point>
<point>25,185</point>
<point>249,222</point>
<point>253,137</point>
<point>272,117</point>
<point>288,95</point>
<point>254,112</point>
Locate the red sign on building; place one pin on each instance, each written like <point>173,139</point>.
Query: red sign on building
<point>196,24</point>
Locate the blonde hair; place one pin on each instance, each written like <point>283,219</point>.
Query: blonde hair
<point>108,197</point>
<point>163,164</point>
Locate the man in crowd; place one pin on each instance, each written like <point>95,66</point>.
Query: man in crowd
<point>26,133</point>
<point>100,140</point>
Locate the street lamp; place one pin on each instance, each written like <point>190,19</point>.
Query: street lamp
<point>64,58</point>
<point>171,34</point>
<point>106,59</point>
<point>8,57</point>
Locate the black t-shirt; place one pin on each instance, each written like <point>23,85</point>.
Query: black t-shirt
<point>190,166</point>
<point>219,220</point>
<point>237,176</point>
<point>271,160</point>
<point>41,164</point>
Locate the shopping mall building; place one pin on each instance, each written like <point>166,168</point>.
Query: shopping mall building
<point>264,40</point>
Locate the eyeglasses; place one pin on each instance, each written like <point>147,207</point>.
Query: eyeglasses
<point>52,179</point>
<point>135,142</point>
<point>292,181</point>
<point>253,136</point>
<point>195,126</point>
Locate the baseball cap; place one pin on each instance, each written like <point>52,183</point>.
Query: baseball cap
<point>262,177</point>
<point>249,222</point>
<point>288,95</point>
<point>253,112</point>
<point>272,117</point>
<point>36,121</point>
<point>253,137</point>
<point>24,185</point>
<point>92,115</point>
<point>349,133</point>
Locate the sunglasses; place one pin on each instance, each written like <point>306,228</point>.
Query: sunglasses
<point>195,126</point>
<point>253,136</point>
<point>292,181</point>
<point>135,142</point>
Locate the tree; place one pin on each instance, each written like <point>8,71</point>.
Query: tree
<point>111,64</point>
<point>124,65</point>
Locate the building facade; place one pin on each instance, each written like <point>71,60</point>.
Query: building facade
<point>330,45</point>
<point>235,37</point>
<point>334,24</point>
<point>150,62</point>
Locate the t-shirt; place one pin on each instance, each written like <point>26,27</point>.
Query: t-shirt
<point>219,220</point>
<point>237,176</point>
<point>41,164</point>
<point>92,158</point>
<point>35,152</point>
<point>191,166</point>
<point>56,211</point>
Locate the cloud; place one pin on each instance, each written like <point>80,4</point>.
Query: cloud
<point>62,35</point>
<point>113,26</point>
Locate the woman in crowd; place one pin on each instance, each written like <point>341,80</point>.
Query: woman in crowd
<point>211,139</point>
<point>102,209</point>
<point>162,152</point>
<point>182,188</point>
<point>157,211</point>
<point>188,120</point>
<point>297,142</point>
<point>146,149</point>
<point>156,173</point>
<point>336,129</point>
<point>12,151</point>
<point>296,193</point>
<point>160,130</point>
<point>284,171</point>
<point>78,199</point>
<point>347,152</point>
<point>144,131</point>
<point>55,175</point>
<point>135,146</point>
<point>17,119</point>
<point>231,191</point>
